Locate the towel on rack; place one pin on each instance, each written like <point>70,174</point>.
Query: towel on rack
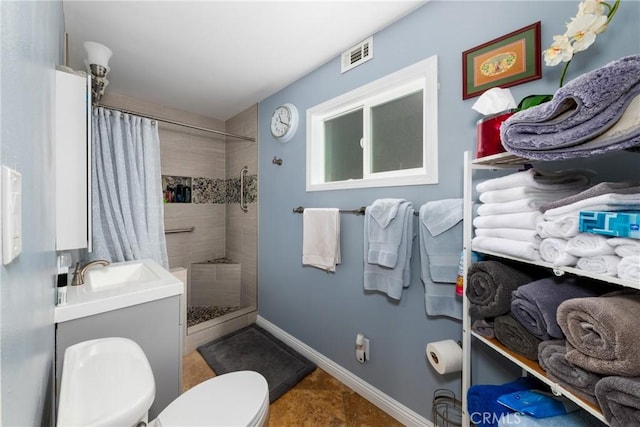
<point>526,220</point>
<point>624,246</point>
<point>515,248</point>
<point>551,357</point>
<point>517,193</point>
<point>565,226</point>
<point>391,280</point>
<point>384,231</point>
<point>587,244</point>
<point>535,304</point>
<point>602,332</point>
<point>519,234</point>
<point>552,249</point>
<point>619,399</point>
<point>607,265</point>
<point>489,287</point>
<point>440,229</point>
<point>510,333</point>
<point>625,187</point>
<point>542,180</point>
<point>515,206</point>
<point>321,238</point>
<point>605,202</point>
<point>629,268</point>
<point>483,399</point>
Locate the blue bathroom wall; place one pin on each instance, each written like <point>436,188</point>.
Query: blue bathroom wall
<point>32,36</point>
<point>326,311</point>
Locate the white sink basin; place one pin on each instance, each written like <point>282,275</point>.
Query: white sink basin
<point>101,278</point>
<point>105,382</point>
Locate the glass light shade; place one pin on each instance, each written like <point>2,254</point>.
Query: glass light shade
<point>98,54</point>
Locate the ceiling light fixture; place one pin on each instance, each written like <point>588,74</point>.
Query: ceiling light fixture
<point>98,66</point>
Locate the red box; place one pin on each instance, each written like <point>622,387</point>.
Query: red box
<point>488,138</point>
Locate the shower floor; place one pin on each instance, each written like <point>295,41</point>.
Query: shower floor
<point>200,313</point>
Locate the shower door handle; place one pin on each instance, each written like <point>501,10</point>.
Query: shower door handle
<point>243,204</point>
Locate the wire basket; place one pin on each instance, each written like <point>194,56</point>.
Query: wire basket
<point>446,409</point>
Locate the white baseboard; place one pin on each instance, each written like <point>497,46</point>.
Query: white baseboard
<point>383,401</point>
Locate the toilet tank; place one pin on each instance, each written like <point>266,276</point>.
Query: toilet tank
<point>105,382</point>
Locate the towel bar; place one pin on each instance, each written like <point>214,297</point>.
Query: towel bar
<point>359,211</point>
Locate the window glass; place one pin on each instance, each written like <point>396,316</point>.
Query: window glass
<point>343,153</point>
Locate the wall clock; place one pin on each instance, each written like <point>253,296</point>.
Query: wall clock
<point>284,122</point>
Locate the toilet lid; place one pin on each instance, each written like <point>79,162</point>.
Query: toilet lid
<point>233,399</point>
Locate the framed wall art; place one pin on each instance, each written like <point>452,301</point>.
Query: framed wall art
<point>506,61</point>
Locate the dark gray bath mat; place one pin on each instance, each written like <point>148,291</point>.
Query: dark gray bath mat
<point>254,349</point>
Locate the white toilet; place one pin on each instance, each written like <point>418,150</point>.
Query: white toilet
<point>108,382</point>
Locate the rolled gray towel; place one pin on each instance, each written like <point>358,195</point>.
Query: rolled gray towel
<point>483,327</point>
<point>489,287</point>
<point>515,337</point>
<point>535,304</point>
<point>619,399</point>
<point>626,187</point>
<point>551,357</point>
<point>602,333</point>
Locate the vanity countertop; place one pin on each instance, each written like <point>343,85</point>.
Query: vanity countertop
<point>83,300</point>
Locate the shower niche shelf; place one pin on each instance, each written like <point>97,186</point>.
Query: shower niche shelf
<point>177,189</point>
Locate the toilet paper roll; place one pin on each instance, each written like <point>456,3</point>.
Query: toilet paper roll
<point>445,356</point>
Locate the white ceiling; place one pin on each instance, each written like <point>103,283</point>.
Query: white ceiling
<point>217,58</point>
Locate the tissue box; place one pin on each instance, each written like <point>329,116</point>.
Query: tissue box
<point>615,224</point>
<point>488,134</point>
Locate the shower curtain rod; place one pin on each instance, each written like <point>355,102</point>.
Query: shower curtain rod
<point>172,122</point>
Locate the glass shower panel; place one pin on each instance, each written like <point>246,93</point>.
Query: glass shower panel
<point>396,134</point>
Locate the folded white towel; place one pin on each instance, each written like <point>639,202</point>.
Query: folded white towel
<point>588,245</point>
<point>517,193</point>
<point>522,205</point>
<point>440,215</point>
<point>604,264</point>
<point>523,250</point>
<point>552,250</point>
<point>564,227</point>
<point>535,178</point>
<point>624,246</point>
<point>604,202</point>
<point>520,234</point>
<point>525,220</point>
<point>321,238</point>
<point>629,268</point>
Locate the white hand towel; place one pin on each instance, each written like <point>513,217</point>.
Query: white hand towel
<point>605,264</point>
<point>522,205</point>
<point>520,234</point>
<point>517,193</point>
<point>624,246</point>
<point>321,238</point>
<point>526,220</point>
<point>605,202</point>
<point>629,268</point>
<point>588,245</point>
<point>553,250</point>
<point>524,250</point>
<point>535,178</point>
<point>563,227</point>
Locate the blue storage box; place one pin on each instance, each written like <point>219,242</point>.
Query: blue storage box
<point>614,224</point>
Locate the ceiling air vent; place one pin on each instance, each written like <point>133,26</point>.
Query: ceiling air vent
<point>358,54</point>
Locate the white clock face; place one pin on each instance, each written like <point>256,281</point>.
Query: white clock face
<point>284,122</point>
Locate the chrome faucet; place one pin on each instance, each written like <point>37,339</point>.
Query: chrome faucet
<point>78,274</point>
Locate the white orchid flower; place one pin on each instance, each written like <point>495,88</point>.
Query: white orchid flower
<point>582,30</point>
<point>559,51</point>
<point>591,7</point>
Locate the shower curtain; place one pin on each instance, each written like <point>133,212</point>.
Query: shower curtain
<point>128,218</point>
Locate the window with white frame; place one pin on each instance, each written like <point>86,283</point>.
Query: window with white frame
<point>379,135</point>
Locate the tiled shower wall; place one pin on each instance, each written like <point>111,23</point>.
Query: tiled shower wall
<point>242,228</point>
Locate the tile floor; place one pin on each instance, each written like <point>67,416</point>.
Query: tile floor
<point>318,400</point>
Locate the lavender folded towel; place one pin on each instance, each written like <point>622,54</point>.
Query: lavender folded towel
<point>619,399</point>
<point>551,357</point>
<point>581,110</point>
<point>535,304</point>
<point>602,332</point>
<point>489,287</point>
<point>515,337</point>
